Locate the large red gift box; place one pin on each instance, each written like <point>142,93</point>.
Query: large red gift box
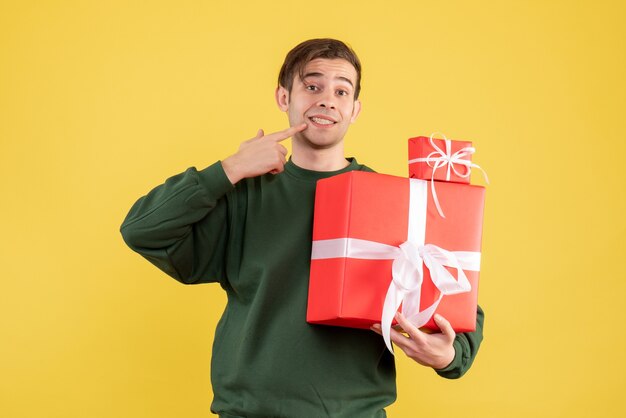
<point>349,288</point>
<point>440,159</point>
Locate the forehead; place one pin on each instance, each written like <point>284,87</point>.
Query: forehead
<point>331,68</point>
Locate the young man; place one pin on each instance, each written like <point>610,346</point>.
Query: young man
<point>246,222</point>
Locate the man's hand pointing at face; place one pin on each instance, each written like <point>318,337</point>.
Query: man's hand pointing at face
<point>260,155</point>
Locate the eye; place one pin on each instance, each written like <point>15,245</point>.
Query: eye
<point>311,87</point>
<point>342,92</point>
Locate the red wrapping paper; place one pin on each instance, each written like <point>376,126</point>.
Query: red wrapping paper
<point>351,292</point>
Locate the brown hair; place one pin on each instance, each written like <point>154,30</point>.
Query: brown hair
<point>307,51</point>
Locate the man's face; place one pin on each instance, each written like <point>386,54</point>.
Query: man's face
<point>324,100</point>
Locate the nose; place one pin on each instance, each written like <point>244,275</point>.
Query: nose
<point>327,100</point>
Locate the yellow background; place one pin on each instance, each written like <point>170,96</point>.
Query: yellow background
<point>101,101</point>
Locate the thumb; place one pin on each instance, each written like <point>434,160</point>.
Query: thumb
<point>445,327</point>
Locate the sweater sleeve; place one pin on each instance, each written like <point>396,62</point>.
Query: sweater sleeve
<point>182,226</point>
<point>466,347</point>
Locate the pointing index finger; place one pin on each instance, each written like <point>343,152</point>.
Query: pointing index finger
<point>286,133</point>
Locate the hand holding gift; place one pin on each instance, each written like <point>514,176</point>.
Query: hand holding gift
<point>428,349</point>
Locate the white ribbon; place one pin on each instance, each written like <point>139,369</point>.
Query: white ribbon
<point>408,261</point>
<point>441,159</point>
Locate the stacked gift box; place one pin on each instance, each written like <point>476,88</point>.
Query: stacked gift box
<point>384,243</point>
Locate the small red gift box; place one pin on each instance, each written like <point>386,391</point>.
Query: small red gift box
<point>368,224</point>
<point>440,159</point>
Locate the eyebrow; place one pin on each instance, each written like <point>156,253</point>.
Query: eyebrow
<point>307,75</point>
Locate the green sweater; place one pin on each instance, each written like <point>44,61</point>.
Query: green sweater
<point>255,240</point>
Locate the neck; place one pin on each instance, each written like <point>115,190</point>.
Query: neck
<point>327,159</point>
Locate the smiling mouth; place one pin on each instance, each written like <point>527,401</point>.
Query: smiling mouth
<point>321,122</point>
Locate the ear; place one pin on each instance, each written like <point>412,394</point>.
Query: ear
<point>355,111</point>
<point>282,98</point>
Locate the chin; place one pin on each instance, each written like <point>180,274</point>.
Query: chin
<point>321,143</point>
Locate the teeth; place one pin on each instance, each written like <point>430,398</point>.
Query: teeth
<point>322,121</point>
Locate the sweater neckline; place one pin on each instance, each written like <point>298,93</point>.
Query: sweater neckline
<point>311,175</point>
